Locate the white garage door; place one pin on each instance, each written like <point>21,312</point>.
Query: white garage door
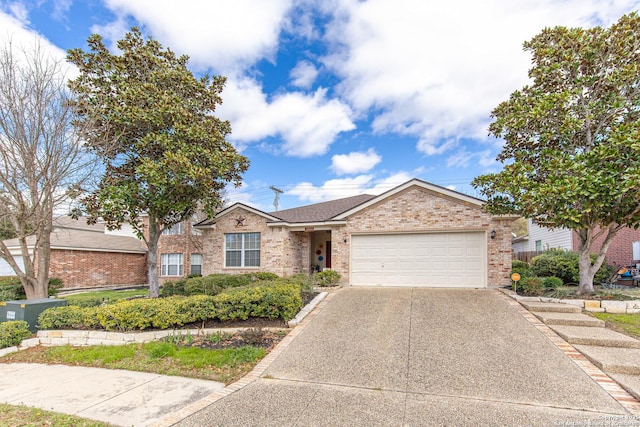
<point>452,260</point>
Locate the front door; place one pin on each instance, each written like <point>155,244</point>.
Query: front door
<point>328,260</point>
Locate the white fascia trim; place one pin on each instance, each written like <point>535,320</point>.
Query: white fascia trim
<point>414,182</point>
<point>301,226</point>
<point>239,205</point>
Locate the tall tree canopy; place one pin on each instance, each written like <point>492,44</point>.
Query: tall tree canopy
<point>572,137</point>
<point>41,158</point>
<point>164,151</point>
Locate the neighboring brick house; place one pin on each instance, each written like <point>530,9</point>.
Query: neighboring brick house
<point>179,252</point>
<point>179,249</point>
<point>417,234</point>
<point>84,256</point>
<point>624,249</point>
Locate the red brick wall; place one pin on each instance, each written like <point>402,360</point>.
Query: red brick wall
<point>85,269</point>
<point>185,244</point>
<point>621,248</point>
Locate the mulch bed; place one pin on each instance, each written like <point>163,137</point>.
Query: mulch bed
<point>255,337</point>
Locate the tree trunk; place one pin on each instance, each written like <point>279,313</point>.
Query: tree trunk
<point>152,258</point>
<point>586,239</point>
<point>587,272</point>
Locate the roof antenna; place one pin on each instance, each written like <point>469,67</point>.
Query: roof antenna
<point>278,192</point>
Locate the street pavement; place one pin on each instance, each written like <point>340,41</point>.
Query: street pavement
<point>418,357</point>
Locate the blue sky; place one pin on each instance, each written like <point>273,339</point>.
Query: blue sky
<point>332,98</point>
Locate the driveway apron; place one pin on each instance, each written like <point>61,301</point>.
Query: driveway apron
<point>412,356</point>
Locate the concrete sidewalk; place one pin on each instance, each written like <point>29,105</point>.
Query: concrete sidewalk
<point>123,398</point>
<point>396,357</point>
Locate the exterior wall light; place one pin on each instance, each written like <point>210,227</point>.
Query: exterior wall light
<point>492,234</point>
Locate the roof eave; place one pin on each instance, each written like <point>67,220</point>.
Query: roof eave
<point>305,226</point>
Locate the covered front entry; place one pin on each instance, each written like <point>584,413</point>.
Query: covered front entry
<point>320,250</point>
<point>447,259</point>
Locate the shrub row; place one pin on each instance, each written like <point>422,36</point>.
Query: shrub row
<point>213,284</point>
<point>534,285</point>
<point>559,263</point>
<point>13,332</point>
<point>274,300</point>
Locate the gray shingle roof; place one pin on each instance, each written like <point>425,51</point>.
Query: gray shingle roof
<point>319,212</point>
<point>86,239</point>
<point>79,224</point>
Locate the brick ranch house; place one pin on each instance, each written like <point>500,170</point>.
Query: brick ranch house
<point>84,256</point>
<point>417,234</point>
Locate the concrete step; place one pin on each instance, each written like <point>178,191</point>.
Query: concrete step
<point>569,319</point>
<point>550,307</point>
<point>613,360</point>
<point>631,383</point>
<point>595,336</point>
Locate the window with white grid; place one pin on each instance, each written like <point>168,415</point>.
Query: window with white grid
<point>242,249</point>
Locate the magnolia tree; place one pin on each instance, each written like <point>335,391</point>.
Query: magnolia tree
<point>164,151</point>
<point>42,158</point>
<point>572,138</point>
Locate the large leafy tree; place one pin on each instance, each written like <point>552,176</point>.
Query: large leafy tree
<point>164,151</point>
<point>41,158</point>
<point>572,137</point>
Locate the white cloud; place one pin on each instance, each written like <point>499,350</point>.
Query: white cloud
<point>15,30</point>
<point>332,189</point>
<point>307,123</point>
<point>60,9</point>
<point>224,34</point>
<point>355,162</point>
<point>435,71</point>
<point>303,74</point>
<point>346,187</point>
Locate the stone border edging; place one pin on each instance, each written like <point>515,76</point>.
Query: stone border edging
<point>595,306</point>
<point>85,338</point>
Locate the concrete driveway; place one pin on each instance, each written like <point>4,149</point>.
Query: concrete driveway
<point>418,357</point>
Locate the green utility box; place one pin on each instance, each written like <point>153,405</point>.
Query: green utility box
<point>27,310</point>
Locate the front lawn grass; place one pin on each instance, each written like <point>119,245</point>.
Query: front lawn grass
<point>160,357</point>
<point>629,323</point>
<point>20,415</point>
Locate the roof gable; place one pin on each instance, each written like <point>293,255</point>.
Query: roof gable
<point>232,209</point>
<point>451,194</point>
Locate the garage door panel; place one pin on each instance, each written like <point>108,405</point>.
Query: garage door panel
<point>422,259</point>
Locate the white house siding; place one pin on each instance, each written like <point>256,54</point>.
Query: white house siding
<point>558,238</point>
<point>5,268</point>
<point>125,230</point>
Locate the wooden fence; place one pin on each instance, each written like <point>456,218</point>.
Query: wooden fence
<point>526,256</point>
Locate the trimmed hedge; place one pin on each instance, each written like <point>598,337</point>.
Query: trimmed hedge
<point>274,300</point>
<point>328,277</point>
<point>13,332</point>
<point>213,284</point>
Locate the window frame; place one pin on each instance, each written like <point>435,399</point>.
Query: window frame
<point>166,263</point>
<point>175,230</point>
<point>538,244</point>
<point>246,246</point>
<point>191,264</point>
